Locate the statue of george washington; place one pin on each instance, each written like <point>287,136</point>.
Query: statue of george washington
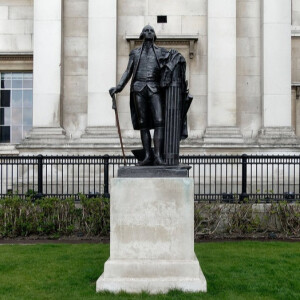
<point>147,66</point>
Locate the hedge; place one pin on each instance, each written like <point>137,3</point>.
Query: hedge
<point>53,217</point>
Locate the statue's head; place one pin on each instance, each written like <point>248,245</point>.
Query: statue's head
<point>148,33</point>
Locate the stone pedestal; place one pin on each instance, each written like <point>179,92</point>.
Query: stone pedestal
<point>152,237</point>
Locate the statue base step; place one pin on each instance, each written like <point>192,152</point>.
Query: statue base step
<point>137,276</point>
<point>153,171</point>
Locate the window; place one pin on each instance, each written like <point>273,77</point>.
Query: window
<point>162,19</point>
<point>15,106</point>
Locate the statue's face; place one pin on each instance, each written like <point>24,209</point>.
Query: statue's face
<point>149,33</point>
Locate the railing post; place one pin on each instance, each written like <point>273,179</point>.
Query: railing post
<point>244,194</point>
<point>106,176</point>
<point>40,176</point>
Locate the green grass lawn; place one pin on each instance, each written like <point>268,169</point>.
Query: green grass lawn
<point>233,270</point>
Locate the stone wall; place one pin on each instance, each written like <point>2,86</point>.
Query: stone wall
<point>192,19</point>
<point>16,26</point>
<point>183,19</point>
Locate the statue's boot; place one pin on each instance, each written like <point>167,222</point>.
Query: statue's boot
<point>146,141</point>
<point>159,146</point>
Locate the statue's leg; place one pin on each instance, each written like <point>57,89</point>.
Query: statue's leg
<point>158,118</point>
<point>158,146</point>
<point>146,141</point>
<point>141,106</point>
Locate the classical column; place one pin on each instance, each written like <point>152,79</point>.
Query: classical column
<point>102,69</point>
<point>276,71</point>
<point>222,73</point>
<point>47,70</point>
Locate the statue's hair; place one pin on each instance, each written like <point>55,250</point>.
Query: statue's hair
<point>142,36</point>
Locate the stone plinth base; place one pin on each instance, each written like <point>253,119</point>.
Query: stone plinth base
<point>107,136</point>
<point>152,237</point>
<point>40,135</point>
<point>277,135</point>
<point>223,135</point>
<point>152,276</point>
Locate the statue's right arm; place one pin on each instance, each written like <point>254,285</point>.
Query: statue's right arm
<point>127,74</point>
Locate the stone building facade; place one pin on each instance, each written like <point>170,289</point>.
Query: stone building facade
<point>58,59</point>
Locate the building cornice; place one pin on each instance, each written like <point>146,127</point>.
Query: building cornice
<point>16,56</point>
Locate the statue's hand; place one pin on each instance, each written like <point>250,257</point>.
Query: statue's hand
<point>114,90</point>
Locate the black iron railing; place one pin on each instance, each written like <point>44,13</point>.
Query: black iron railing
<point>223,178</point>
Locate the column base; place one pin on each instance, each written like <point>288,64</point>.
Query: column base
<point>108,137</point>
<point>44,136</point>
<point>160,276</point>
<point>277,135</point>
<point>223,135</point>
<point>102,135</point>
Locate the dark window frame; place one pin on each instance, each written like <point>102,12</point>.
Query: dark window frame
<point>23,125</point>
<point>162,19</point>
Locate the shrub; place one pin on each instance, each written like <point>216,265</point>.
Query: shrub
<point>53,217</point>
<point>243,219</point>
<point>288,217</point>
<point>94,216</point>
<point>17,217</point>
<point>278,219</point>
<point>207,218</point>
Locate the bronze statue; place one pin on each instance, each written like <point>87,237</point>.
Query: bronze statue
<point>154,71</point>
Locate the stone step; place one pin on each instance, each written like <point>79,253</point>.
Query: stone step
<point>151,268</point>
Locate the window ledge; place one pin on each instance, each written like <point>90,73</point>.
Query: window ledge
<point>189,40</point>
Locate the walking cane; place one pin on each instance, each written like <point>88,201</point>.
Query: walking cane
<point>114,107</point>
